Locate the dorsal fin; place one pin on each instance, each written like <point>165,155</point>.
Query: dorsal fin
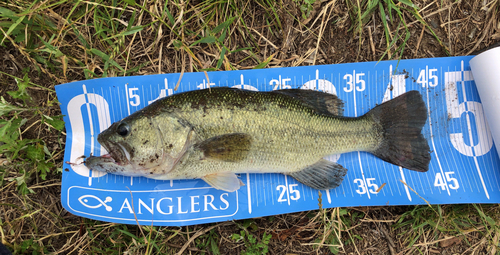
<point>323,102</point>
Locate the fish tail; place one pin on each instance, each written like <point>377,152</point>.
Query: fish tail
<point>401,121</point>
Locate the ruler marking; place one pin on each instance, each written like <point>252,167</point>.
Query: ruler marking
<point>483,148</point>
<point>272,190</point>
<point>453,163</point>
<point>379,164</point>
<point>286,187</point>
<point>119,102</point>
<point>432,138</point>
<point>303,191</point>
<point>111,108</point>
<point>427,176</point>
<point>456,80</point>
<point>126,99</point>
<point>470,132</point>
<point>265,190</point>
<point>442,105</point>
<point>356,115</point>
<point>91,128</point>
<point>249,195</point>
<point>385,166</point>
<point>451,77</point>
<point>484,143</point>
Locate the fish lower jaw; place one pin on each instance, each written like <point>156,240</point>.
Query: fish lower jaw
<point>110,158</point>
<point>107,156</point>
<point>118,159</point>
<point>117,152</point>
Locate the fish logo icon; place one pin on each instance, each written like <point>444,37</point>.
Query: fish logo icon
<point>84,200</point>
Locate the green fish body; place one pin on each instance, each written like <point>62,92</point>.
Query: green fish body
<point>215,133</point>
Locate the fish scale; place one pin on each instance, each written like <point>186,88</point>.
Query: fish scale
<point>298,138</point>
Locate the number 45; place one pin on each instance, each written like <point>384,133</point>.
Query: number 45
<point>440,182</point>
<point>427,77</point>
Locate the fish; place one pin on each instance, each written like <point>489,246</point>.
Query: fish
<point>214,134</point>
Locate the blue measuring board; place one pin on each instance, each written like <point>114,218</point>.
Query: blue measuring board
<point>465,166</point>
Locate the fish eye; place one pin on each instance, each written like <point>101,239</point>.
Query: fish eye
<point>123,129</point>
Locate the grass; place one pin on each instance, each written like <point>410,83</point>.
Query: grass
<point>44,43</point>
<point>28,156</point>
<point>251,243</point>
<point>388,10</point>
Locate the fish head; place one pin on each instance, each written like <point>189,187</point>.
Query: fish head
<point>140,145</point>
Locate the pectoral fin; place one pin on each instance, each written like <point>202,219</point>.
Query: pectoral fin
<point>229,147</point>
<point>224,181</point>
<point>321,175</point>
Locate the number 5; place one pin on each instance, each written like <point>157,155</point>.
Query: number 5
<point>294,194</point>
<point>137,99</point>
<point>457,110</point>
<point>434,77</point>
<point>359,80</point>
<point>451,179</point>
<point>372,185</point>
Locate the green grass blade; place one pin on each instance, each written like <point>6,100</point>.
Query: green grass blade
<point>106,58</point>
<point>221,58</point>
<point>223,25</point>
<point>264,64</point>
<point>132,31</point>
<point>14,25</point>
<point>208,39</point>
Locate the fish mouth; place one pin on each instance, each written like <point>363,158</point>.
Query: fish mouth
<point>101,159</point>
<point>117,153</point>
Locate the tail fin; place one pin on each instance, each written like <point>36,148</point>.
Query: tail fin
<point>401,120</point>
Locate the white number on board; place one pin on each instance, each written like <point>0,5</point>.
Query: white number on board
<point>294,193</point>
<point>205,85</point>
<point>428,77</point>
<point>442,182</point>
<point>136,99</point>
<point>354,80</point>
<point>457,110</point>
<point>280,83</point>
<point>362,189</point>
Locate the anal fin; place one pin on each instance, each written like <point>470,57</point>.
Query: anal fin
<point>224,181</point>
<point>321,175</point>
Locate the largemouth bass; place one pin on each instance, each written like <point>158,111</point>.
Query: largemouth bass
<point>215,134</point>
